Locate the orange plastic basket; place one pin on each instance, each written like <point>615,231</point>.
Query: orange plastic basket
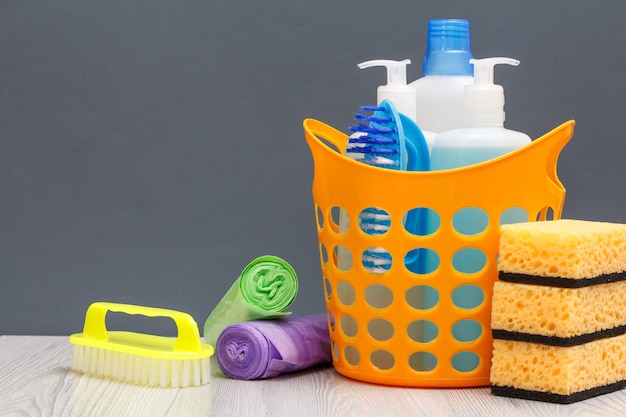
<point>399,327</point>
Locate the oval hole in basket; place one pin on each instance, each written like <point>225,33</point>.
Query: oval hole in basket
<point>342,258</point>
<point>335,350</point>
<point>340,219</point>
<point>320,217</point>
<point>328,288</point>
<point>349,325</point>
<point>331,321</point>
<point>422,297</point>
<point>374,221</point>
<point>467,331</point>
<point>469,260</point>
<point>422,261</point>
<point>380,329</point>
<point>468,296</point>
<point>352,355</point>
<point>546,213</point>
<point>470,221</point>
<point>323,253</point>
<point>378,296</point>
<point>422,361</point>
<point>421,221</point>
<point>382,359</point>
<point>513,215</point>
<point>422,331</point>
<point>465,361</point>
<point>376,260</point>
<point>346,293</point>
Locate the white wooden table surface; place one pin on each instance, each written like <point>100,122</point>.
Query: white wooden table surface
<point>35,380</point>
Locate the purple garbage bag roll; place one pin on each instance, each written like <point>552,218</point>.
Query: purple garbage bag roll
<point>267,348</point>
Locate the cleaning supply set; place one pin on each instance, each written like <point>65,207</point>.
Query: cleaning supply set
<point>411,302</point>
<point>410,254</point>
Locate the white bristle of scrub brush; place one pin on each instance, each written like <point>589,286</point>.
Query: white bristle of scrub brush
<point>153,372</point>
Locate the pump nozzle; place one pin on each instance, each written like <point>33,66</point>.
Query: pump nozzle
<point>396,70</point>
<point>483,68</point>
<point>484,100</point>
<point>397,91</point>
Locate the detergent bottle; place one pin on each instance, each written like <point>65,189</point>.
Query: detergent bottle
<point>482,138</point>
<point>446,71</point>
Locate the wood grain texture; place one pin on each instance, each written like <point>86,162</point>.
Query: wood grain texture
<point>35,381</point>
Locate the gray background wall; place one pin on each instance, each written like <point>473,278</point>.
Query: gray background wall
<point>149,149</point>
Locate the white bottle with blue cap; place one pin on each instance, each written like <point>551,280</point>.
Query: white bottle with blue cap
<point>446,71</point>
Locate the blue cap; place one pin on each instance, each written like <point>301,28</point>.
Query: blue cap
<point>448,50</point>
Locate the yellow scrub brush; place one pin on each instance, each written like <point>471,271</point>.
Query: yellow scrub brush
<point>142,358</point>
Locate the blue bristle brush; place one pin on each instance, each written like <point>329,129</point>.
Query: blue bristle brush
<point>380,140</point>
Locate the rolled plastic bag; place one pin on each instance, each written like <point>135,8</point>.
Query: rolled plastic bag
<point>266,287</point>
<point>268,348</point>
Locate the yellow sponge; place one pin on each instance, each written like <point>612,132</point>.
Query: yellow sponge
<point>571,249</point>
<point>559,311</point>
<point>558,374</point>
<point>565,313</point>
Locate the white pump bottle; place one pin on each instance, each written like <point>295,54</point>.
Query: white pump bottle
<point>397,91</point>
<point>483,136</point>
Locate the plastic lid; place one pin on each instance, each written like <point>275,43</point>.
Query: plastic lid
<point>448,50</point>
<point>484,100</point>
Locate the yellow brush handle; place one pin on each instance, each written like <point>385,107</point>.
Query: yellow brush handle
<point>188,334</point>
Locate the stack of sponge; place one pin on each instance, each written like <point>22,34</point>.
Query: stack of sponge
<point>559,311</point>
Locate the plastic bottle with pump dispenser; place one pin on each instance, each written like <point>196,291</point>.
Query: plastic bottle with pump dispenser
<point>483,138</point>
<point>396,90</point>
<point>446,71</point>
<point>402,95</point>
<point>483,135</point>
<point>402,99</point>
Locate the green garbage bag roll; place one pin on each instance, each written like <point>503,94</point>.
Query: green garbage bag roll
<point>266,287</point>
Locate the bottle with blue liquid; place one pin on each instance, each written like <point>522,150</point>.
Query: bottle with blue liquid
<point>483,135</point>
<point>482,138</point>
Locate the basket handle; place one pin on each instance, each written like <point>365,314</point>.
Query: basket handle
<point>560,137</point>
<point>188,334</point>
<point>316,130</point>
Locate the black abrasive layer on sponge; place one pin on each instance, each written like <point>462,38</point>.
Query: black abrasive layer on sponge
<point>556,398</point>
<point>555,340</point>
<point>561,282</point>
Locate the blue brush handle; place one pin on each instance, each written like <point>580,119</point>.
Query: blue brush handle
<point>418,157</point>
